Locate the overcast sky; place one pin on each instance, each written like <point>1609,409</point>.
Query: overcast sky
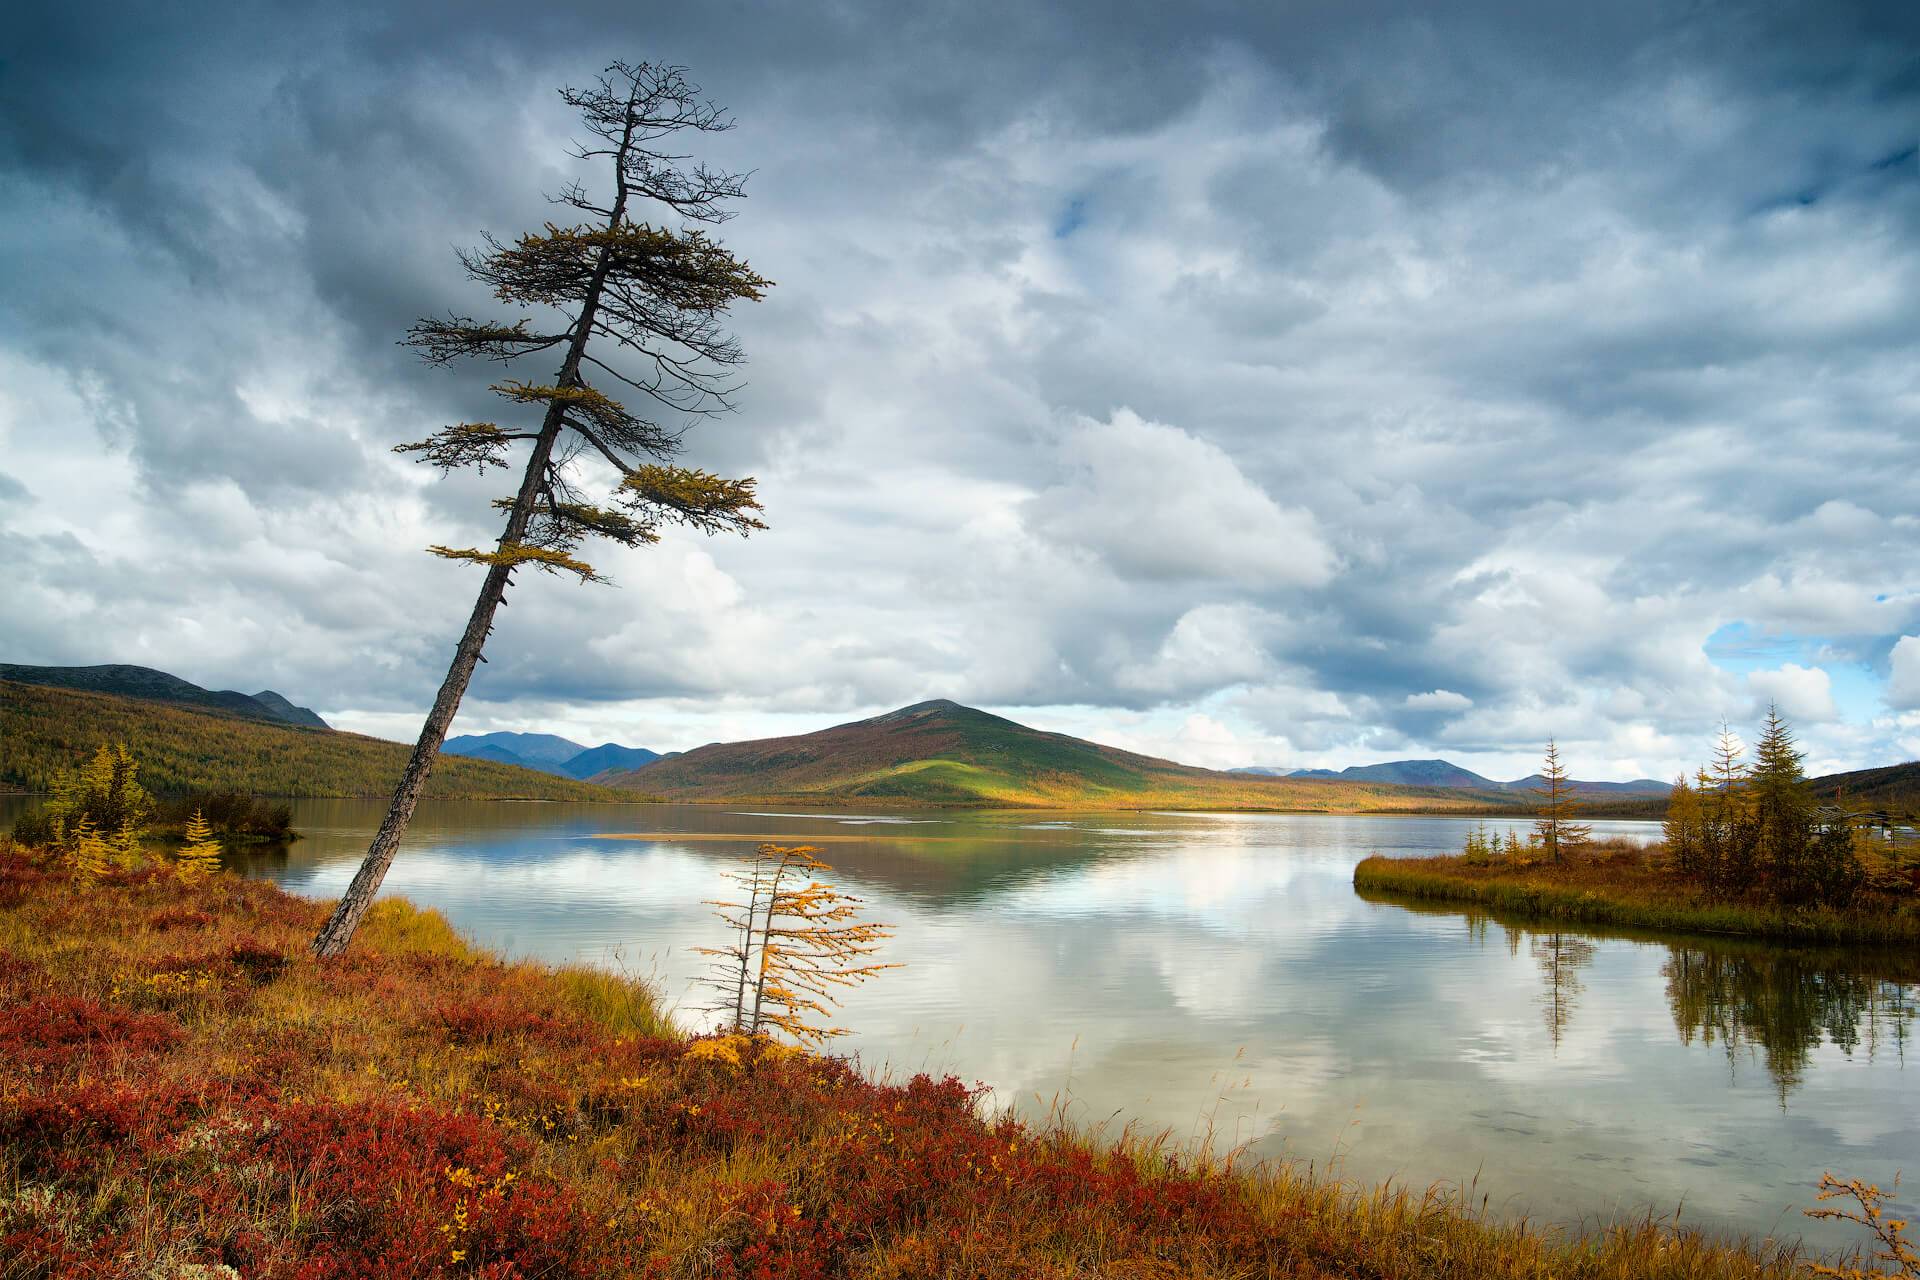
<point>1275,383</point>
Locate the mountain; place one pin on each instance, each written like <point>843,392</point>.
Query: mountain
<point>529,749</point>
<point>288,712</point>
<point>1443,773</point>
<point>1637,787</point>
<point>608,755</point>
<point>1408,773</point>
<point>548,753</point>
<point>180,747</point>
<point>943,753</point>
<point>128,681</point>
<point>1894,788</point>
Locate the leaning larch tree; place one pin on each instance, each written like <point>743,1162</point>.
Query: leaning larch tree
<point>634,308</point>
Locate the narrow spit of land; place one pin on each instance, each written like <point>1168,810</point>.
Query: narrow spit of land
<point>1629,887</point>
<point>181,1087</point>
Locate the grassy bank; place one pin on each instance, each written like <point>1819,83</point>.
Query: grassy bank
<point>180,1088</point>
<point>1624,888</point>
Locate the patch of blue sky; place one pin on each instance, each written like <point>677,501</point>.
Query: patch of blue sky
<point>1072,219</point>
<point>1857,690</point>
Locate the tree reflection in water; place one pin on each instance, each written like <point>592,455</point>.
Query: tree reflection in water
<point>1751,998</point>
<point>1785,1003</point>
<point>1561,956</point>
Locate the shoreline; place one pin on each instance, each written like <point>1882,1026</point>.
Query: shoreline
<point>1532,894</point>
<point>173,1021</point>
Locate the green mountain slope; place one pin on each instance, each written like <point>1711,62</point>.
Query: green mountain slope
<point>941,753</point>
<point>44,729</point>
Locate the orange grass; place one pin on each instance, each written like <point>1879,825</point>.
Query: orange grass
<point>182,1088</point>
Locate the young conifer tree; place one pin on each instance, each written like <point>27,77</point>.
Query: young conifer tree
<point>1555,825</point>
<point>631,307</point>
<point>1728,817</point>
<point>798,941</point>
<point>88,853</point>
<point>200,855</point>
<point>1685,847</point>
<point>1782,811</point>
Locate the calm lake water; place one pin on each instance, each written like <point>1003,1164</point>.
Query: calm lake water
<point>1218,974</point>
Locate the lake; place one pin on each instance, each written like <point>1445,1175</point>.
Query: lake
<point>1217,975</point>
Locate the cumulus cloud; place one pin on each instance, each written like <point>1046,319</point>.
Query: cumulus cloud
<point>1903,680</point>
<point>1800,693</point>
<point>1155,503</point>
<point>1437,700</point>
<point>1476,376</point>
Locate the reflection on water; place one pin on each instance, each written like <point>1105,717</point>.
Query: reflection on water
<point>1787,1003</point>
<point>1218,973</point>
<point>1779,1003</point>
<point>1561,957</point>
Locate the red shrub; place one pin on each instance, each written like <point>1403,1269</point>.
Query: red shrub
<point>178,918</point>
<point>399,1191</point>
<point>59,1030</point>
<point>501,1016</point>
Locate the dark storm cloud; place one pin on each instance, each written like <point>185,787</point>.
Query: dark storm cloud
<point>1372,376</point>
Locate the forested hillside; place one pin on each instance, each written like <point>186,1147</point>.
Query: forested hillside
<point>1894,788</point>
<point>44,729</point>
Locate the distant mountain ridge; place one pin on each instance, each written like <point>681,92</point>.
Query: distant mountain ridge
<point>128,681</point>
<point>1444,773</point>
<point>943,753</point>
<point>549,753</point>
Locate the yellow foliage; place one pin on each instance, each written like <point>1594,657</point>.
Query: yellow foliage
<point>1890,1233</point>
<point>724,1050</point>
<point>515,554</point>
<point>797,944</point>
<point>88,855</point>
<point>200,855</point>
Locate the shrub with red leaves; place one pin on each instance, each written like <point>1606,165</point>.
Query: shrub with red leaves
<point>402,1190</point>
<point>62,1030</point>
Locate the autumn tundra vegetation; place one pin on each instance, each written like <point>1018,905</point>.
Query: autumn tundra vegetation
<point>1746,849</point>
<point>186,1091</point>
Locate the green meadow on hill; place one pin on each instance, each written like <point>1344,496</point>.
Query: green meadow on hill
<point>942,753</point>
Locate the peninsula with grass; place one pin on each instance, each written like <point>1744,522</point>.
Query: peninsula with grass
<point>1747,849</point>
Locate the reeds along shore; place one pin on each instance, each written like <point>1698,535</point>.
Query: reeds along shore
<point>183,1090</point>
<point>1623,884</point>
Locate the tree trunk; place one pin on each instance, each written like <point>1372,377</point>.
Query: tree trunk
<point>339,928</point>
